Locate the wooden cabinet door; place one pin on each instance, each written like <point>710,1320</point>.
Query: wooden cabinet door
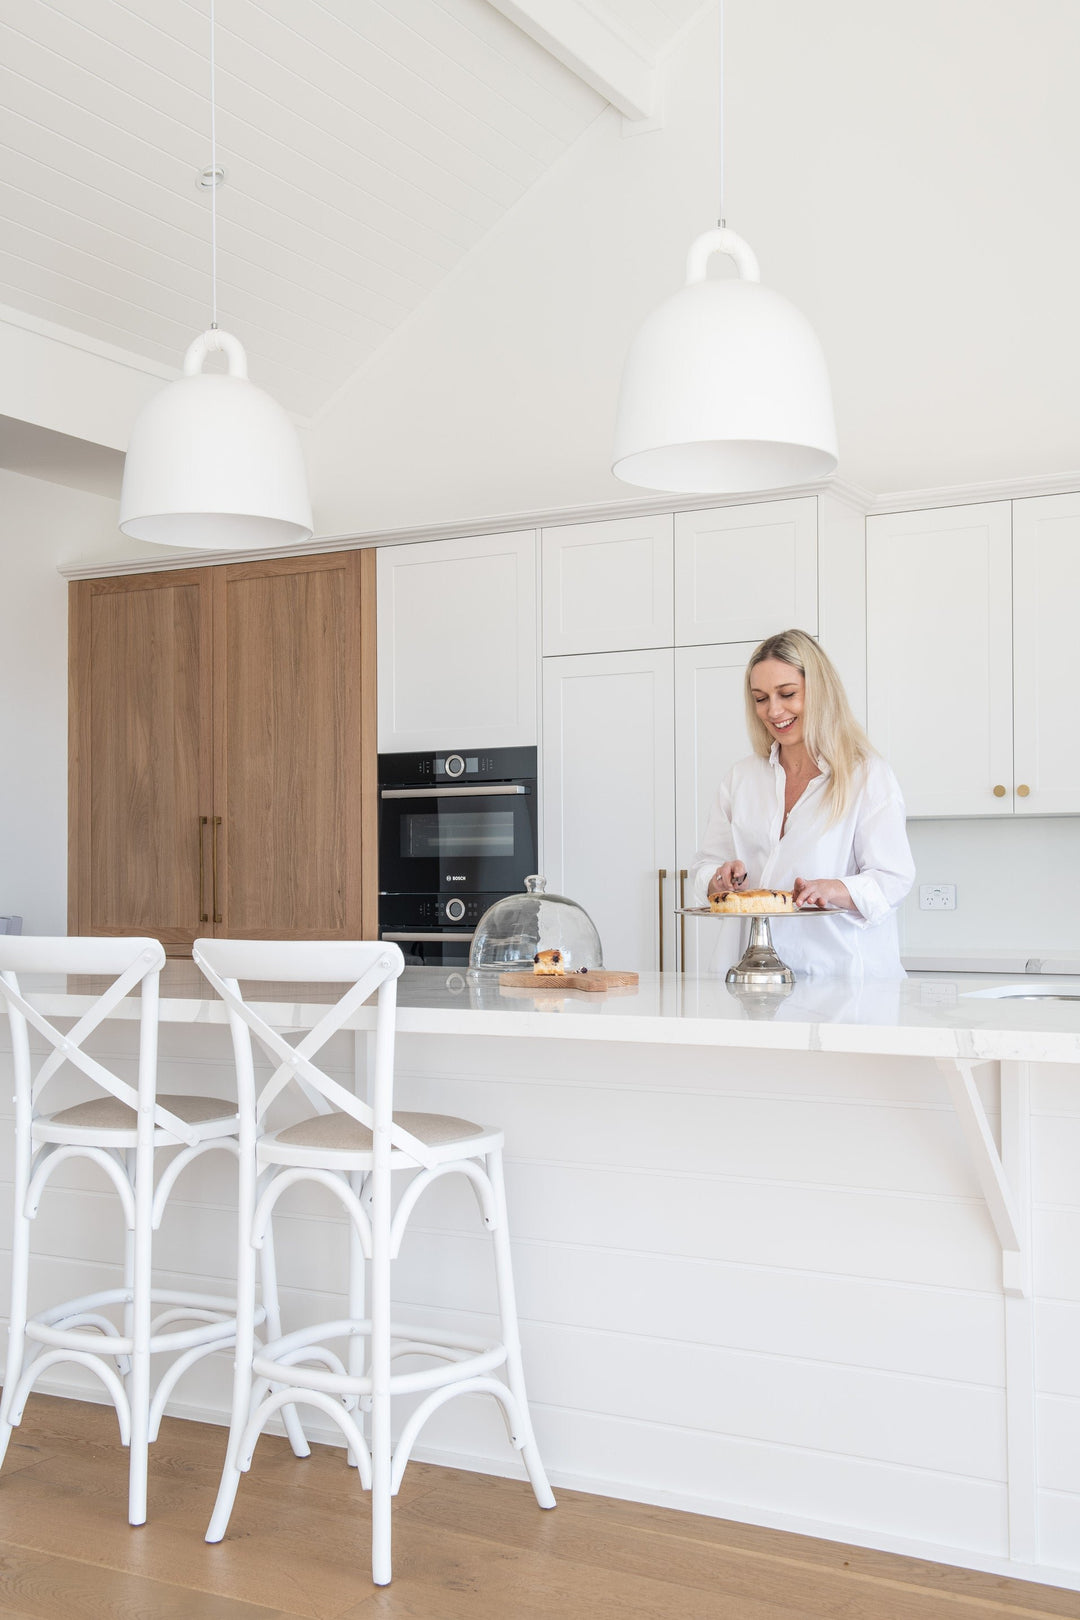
<point>291,658</point>
<point>608,587</point>
<point>744,572</point>
<point>457,644</point>
<point>609,797</point>
<point>939,656</point>
<point>1046,590</point>
<point>140,756</point>
<point>710,735</point>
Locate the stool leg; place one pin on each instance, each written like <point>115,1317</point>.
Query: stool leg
<point>244,1348</point>
<point>381,1443</point>
<point>268,1269</point>
<point>515,1375</point>
<point>20,1284</point>
<point>356,1300</point>
<point>141,1275</point>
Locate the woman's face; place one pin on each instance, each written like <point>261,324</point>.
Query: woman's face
<point>779,693</point>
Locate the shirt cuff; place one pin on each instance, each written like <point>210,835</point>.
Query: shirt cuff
<point>871,905</point>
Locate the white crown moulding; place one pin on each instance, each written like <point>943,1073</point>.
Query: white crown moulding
<point>858,499</point>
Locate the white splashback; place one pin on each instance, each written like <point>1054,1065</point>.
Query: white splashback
<point>1017,886</point>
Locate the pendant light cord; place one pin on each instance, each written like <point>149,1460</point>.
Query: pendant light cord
<point>213,180</point>
<point>721,221</point>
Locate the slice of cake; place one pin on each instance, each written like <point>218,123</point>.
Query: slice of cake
<point>752,900</point>
<point>549,962</point>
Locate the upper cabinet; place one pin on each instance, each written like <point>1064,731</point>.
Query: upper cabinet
<point>728,574</point>
<point>457,644</point>
<point>744,572</point>
<point>1046,590</point>
<point>970,615</point>
<point>608,587</point>
<point>222,752</point>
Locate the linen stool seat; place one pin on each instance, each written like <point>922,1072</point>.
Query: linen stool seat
<point>120,1129</point>
<point>361,1151</point>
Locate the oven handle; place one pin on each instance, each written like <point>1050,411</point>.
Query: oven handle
<point>426,939</point>
<point>485,790</point>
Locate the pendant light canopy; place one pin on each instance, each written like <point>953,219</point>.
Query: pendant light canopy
<point>725,388</point>
<point>214,464</point>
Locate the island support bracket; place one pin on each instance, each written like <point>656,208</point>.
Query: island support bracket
<point>1005,1180</point>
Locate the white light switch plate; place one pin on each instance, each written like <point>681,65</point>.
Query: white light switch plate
<point>937,897</point>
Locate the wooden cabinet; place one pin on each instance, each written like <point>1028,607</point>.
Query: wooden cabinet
<point>744,572</point>
<point>222,752</point>
<point>608,586</point>
<point>457,644</point>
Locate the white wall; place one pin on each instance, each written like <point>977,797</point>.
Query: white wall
<point>899,173</point>
<point>1016,879</point>
<point>41,525</point>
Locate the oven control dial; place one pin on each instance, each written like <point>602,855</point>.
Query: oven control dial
<point>455,910</point>
<point>455,765</point>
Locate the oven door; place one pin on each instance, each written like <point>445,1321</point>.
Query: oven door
<point>458,839</point>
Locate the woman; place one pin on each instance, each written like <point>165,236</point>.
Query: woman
<point>815,810</point>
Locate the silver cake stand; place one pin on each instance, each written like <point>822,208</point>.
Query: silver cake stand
<point>760,966</point>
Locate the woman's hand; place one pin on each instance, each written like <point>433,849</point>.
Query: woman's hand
<point>822,893</point>
<point>732,875</point>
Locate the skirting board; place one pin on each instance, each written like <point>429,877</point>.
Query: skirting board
<point>327,1433</point>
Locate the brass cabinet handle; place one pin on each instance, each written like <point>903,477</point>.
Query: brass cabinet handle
<point>213,869</point>
<point>682,920</point>
<point>661,875</point>
<point>999,792</point>
<point>203,917</point>
<point>1022,791</point>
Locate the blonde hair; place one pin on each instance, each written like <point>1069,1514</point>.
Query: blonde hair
<point>831,731</point>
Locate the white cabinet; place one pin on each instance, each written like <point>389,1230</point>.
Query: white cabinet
<point>710,735</point>
<point>608,586</point>
<point>939,656</point>
<point>457,655</point>
<point>744,572</point>
<point>609,796</point>
<point>1046,591</point>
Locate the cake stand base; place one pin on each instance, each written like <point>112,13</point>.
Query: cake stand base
<point>760,965</point>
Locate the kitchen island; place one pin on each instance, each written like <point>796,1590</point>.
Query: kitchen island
<point>812,1263</point>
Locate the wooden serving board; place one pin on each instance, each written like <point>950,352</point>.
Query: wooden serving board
<point>596,980</point>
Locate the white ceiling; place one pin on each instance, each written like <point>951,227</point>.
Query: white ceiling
<point>368,146</point>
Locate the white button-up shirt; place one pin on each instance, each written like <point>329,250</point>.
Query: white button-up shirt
<point>867,849</point>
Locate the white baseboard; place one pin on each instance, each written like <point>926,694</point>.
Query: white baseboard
<point>505,1467</point>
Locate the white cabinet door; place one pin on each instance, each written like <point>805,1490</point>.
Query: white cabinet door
<point>744,572</point>
<point>609,797</point>
<point>457,643</point>
<point>608,586</point>
<point>1046,590</point>
<point>939,656</point>
<point>710,735</point>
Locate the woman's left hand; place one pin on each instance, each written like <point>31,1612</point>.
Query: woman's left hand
<point>822,893</point>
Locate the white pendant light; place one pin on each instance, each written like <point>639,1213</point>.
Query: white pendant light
<point>725,388</point>
<point>215,464</point>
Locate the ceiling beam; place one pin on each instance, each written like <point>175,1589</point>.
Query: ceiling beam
<point>605,59</point>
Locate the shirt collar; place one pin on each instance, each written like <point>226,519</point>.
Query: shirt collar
<point>774,759</point>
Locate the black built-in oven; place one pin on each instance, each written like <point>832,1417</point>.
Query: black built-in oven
<point>457,831</point>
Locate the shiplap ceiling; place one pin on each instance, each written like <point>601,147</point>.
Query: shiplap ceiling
<point>367,147</point>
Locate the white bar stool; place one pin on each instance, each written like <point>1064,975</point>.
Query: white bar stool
<point>354,1150</point>
<point>119,1128</point>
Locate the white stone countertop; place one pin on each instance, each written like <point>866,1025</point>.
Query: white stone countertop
<point>931,1016</point>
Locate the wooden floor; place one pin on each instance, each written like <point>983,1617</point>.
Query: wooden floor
<point>465,1545</point>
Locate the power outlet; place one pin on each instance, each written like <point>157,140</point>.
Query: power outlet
<point>937,897</point>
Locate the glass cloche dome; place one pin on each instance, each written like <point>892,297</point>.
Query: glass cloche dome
<point>514,929</point>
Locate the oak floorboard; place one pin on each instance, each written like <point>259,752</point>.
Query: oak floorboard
<point>466,1547</point>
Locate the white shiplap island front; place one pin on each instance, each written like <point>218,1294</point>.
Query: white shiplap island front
<point>817,1269</point>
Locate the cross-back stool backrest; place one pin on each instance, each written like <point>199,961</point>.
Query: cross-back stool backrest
<point>367,967</point>
<point>129,963</point>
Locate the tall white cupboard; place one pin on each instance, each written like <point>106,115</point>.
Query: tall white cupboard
<point>647,628</point>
